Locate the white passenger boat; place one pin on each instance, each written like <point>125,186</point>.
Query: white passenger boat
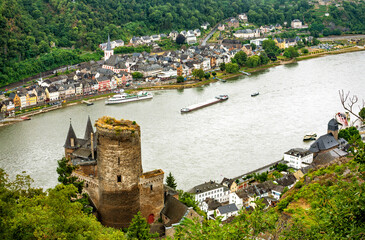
<point>124,97</point>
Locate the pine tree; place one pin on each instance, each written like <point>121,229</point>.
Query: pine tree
<point>170,181</point>
<point>139,228</point>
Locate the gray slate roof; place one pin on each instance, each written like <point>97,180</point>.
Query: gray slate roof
<point>298,152</point>
<point>324,142</point>
<point>70,134</point>
<point>228,208</point>
<point>208,186</point>
<point>174,210</point>
<point>333,125</point>
<point>89,129</point>
<point>287,180</point>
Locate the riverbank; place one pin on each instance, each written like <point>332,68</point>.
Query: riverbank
<point>188,84</point>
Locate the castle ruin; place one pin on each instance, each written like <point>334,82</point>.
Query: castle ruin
<point>110,165</point>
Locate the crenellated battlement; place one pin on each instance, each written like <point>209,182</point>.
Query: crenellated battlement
<point>151,177</point>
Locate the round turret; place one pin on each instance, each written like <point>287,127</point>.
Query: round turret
<point>332,125</point>
<point>119,170</point>
<point>333,128</point>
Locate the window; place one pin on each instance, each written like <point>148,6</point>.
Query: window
<point>119,178</point>
<point>118,160</point>
<point>151,187</point>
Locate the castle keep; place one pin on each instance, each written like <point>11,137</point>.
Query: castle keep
<point>110,165</point>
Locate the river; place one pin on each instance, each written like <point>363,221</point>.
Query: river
<point>223,140</point>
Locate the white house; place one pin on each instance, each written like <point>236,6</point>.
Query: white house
<point>227,211</point>
<point>240,198</point>
<point>155,38</point>
<point>243,17</point>
<point>23,100</point>
<point>298,158</point>
<point>53,95</point>
<point>205,26</point>
<point>210,190</point>
<point>168,73</point>
<point>190,37</point>
<point>209,206</point>
<point>173,35</point>
<point>197,32</point>
<point>258,41</point>
<point>296,23</point>
<point>276,191</point>
<point>247,33</point>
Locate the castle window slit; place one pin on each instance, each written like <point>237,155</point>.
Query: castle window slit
<point>119,178</point>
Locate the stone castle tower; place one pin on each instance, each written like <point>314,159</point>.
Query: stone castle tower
<point>115,182</point>
<point>108,51</point>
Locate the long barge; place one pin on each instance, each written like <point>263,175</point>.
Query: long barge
<point>197,106</point>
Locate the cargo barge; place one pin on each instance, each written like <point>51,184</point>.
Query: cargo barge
<point>197,106</point>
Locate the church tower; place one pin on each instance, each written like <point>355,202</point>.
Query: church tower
<point>108,51</point>
<point>119,170</point>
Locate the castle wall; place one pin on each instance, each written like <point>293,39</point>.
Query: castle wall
<point>119,169</point>
<point>151,194</point>
<point>91,186</point>
<point>89,169</point>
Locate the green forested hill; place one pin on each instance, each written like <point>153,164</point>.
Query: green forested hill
<point>28,28</point>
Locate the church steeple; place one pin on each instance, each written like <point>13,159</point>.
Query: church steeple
<point>108,51</point>
<point>108,45</point>
<point>71,138</point>
<point>89,129</point>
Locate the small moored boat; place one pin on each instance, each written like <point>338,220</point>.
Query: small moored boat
<point>310,137</point>
<point>255,94</point>
<point>25,118</point>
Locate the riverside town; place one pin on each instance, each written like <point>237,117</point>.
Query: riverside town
<point>182,119</point>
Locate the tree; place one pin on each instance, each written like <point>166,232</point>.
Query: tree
<point>64,171</point>
<point>253,46</point>
<point>348,102</point>
<point>305,51</point>
<point>362,113</point>
<point>261,177</point>
<point>180,79</point>
<point>222,67</point>
<point>264,59</point>
<point>207,76</point>
<point>349,133</point>
<point>253,61</point>
<point>137,75</point>
<point>180,39</point>
<point>232,67</point>
<point>281,167</point>
<point>170,181</point>
<point>291,52</point>
<point>240,58</point>
<point>198,73</point>
<point>214,74</point>
<point>139,228</point>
